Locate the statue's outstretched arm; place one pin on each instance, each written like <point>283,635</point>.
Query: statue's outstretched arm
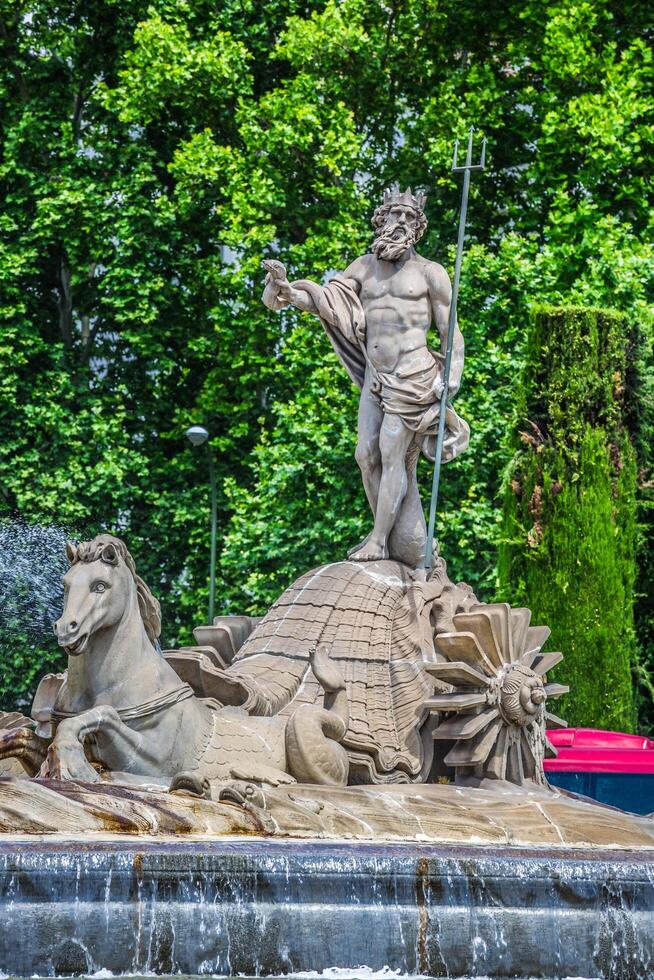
<point>279,292</point>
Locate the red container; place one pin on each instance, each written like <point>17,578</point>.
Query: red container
<point>593,750</point>
<point>610,767</point>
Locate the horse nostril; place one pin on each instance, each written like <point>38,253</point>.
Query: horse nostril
<point>54,627</point>
<point>72,626</point>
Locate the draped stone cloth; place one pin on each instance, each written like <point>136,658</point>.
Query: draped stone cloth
<point>409,391</point>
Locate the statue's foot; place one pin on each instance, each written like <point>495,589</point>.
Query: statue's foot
<point>371,550</point>
<point>66,760</point>
<point>361,544</point>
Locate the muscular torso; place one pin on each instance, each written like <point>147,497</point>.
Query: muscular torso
<point>396,301</point>
<point>400,300</point>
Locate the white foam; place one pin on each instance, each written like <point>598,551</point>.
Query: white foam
<point>331,973</point>
<point>354,973</point>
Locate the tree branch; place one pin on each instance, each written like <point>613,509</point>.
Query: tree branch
<point>88,343</point>
<point>65,305</point>
<point>78,108</point>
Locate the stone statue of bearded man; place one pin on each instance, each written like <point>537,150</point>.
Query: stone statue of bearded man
<point>378,314</point>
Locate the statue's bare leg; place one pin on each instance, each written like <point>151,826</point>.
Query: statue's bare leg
<point>394,441</point>
<point>406,542</point>
<point>367,452</point>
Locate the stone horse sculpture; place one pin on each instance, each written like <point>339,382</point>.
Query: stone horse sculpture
<point>123,708</point>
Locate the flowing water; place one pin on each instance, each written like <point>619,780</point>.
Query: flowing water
<point>361,973</point>
<point>257,908</point>
<point>32,561</point>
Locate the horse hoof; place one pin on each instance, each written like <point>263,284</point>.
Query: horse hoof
<point>190,784</point>
<point>66,761</point>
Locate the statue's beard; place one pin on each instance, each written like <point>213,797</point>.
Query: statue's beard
<point>392,242</point>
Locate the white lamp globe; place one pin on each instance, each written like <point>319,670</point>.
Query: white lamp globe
<point>197,434</point>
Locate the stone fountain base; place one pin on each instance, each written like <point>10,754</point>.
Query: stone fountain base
<point>268,908</point>
<point>431,879</point>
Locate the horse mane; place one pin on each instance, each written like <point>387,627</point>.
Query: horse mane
<point>109,549</point>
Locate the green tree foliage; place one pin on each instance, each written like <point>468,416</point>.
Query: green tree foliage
<point>154,153</point>
<point>569,551</point>
<point>639,418</point>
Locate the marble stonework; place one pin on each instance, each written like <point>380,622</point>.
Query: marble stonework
<point>430,813</point>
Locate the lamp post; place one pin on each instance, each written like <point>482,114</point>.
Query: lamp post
<point>198,436</point>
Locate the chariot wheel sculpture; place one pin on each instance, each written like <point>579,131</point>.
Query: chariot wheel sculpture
<point>497,708</point>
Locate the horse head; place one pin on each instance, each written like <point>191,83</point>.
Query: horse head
<point>99,588</point>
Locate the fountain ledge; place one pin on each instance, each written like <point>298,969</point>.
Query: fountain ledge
<point>262,907</point>
<point>430,879</point>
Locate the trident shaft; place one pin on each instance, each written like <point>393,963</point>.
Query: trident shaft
<point>466,170</point>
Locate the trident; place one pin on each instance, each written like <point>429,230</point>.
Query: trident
<point>467,169</point>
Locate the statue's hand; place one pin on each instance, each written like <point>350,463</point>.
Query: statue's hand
<point>437,388</point>
<point>274,268</point>
<point>277,290</point>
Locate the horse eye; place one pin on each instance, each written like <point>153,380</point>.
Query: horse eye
<point>99,587</point>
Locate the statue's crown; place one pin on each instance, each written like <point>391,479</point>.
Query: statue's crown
<point>393,195</point>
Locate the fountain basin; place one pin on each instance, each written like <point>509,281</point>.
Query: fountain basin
<point>265,907</point>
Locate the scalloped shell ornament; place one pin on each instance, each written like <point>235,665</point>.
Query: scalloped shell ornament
<point>497,709</point>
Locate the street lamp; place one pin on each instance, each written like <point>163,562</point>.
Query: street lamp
<point>198,436</point>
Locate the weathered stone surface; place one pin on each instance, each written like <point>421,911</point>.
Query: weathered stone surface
<point>334,684</point>
<point>121,707</point>
<point>497,710</point>
<point>378,620</point>
<point>436,813</point>
<point>369,618</point>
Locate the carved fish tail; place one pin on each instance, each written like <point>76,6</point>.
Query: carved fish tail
<point>330,678</point>
<point>313,734</point>
<point>312,754</point>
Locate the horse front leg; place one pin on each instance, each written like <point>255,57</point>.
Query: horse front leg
<point>26,746</point>
<point>66,758</point>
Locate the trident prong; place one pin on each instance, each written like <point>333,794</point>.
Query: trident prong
<point>469,164</point>
<point>440,437</point>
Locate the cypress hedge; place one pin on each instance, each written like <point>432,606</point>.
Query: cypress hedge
<point>568,549</point>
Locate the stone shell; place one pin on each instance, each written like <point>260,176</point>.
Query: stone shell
<point>368,615</point>
<point>364,614</point>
